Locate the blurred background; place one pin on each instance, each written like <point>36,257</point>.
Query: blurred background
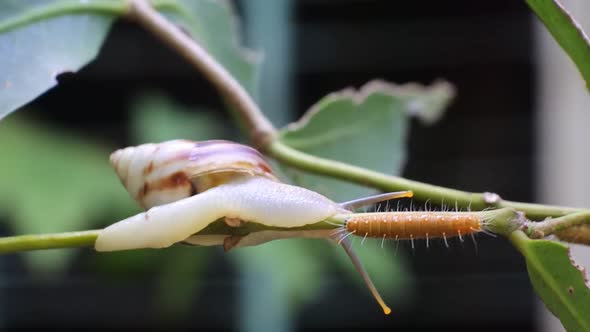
<point>516,128</point>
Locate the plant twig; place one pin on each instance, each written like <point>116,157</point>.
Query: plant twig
<point>501,221</point>
<point>47,241</point>
<point>11,244</point>
<point>538,230</point>
<point>259,127</point>
<point>422,191</point>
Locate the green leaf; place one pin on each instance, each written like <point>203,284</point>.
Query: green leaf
<point>176,271</point>
<point>213,25</point>
<point>52,181</point>
<point>157,118</point>
<point>561,285</point>
<point>366,128</point>
<point>567,32</point>
<point>40,39</point>
<point>179,279</point>
<point>282,276</point>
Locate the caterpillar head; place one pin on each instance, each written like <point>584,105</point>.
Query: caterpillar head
<point>161,173</point>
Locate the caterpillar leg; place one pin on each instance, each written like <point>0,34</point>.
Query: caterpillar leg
<point>346,244</point>
<point>364,201</point>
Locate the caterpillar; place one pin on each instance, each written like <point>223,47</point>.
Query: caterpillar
<point>414,225</point>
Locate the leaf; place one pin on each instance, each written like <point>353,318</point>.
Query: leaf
<point>561,285</point>
<point>179,282</point>
<point>55,182</point>
<point>157,118</point>
<point>213,25</point>
<point>366,128</point>
<point>41,39</point>
<point>280,276</point>
<point>175,270</point>
<point>567,32</point>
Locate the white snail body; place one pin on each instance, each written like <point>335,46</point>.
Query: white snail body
<point>185,186</point>
<point>188,185</point>
<point>160,173</point>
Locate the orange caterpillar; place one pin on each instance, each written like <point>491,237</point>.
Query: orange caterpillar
<point>414,225</point>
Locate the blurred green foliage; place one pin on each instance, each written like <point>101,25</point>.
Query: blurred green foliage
<point>53,181</point>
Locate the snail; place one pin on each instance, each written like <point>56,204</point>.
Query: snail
<point>186,185</point>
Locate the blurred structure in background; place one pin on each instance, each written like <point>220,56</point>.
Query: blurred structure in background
<point>562,105</point>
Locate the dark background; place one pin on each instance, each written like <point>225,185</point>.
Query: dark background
<point>484,143</point>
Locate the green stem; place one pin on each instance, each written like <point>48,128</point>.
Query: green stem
<point>59,8</point>
<point>11,244</point>
<point>501,221</point>
<point>422,191</point>
<point>519,239</point>
<point>538,230</point>
<point>259,128</point>
<point>47,241</point>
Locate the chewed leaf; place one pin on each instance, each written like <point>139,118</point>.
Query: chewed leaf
<point>37,45</point>
<point>366,128</point>
<point>561,284</point>
<point>427,103</point>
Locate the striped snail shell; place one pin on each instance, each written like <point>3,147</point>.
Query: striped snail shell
<point>161,173</point>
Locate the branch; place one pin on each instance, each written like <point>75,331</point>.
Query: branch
<point>501,221</point>
<point>538,230</point>
<point>11,244</point>
<point>422,191</point>
<point>47,241</point>
<point>258,126</point>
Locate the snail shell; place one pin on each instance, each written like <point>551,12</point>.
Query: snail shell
<point>185,186</point>
<point>161,173</point>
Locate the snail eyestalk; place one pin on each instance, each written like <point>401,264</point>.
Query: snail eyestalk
<point>364,201</point>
